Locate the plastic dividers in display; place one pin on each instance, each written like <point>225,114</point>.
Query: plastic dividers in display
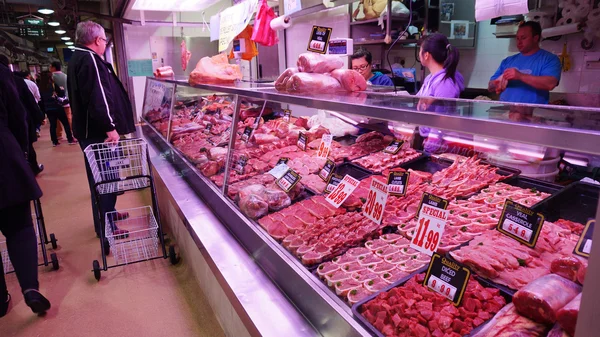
<point>577,202</point>
<point>346,140</point>
<point>530,183</point>
<point>356,307</point>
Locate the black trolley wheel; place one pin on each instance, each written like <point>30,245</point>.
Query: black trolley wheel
<point>54,259</point>
<point>96,268</point>
<point>173,255</point>
<point>106,247</point>
<point>53,241</point>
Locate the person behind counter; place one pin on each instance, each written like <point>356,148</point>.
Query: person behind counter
<point>362,62</point>
<point>529,76</point>
<point>441,59</point>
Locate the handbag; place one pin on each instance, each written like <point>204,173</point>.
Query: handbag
<point>62,100</point>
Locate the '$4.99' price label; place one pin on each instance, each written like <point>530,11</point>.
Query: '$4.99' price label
<point>430,225</point>
<point>342,191</point>
<point>376,201</point>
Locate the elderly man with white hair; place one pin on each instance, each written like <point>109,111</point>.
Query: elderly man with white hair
<point>100,105</point>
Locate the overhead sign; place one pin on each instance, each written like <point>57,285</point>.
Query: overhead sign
<point>32,32</point>
<point>234,20</point>
<point>33,22</point>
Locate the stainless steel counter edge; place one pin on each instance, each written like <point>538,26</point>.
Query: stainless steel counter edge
<point>250,280</point>
<point>539,134</point>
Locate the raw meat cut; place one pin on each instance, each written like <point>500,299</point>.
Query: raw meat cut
<point>281,82</point>
<point>185,55</point>
<point>165,71</point>
<point>253,206</point>
<point>566,267</point>
<point>541,299</point>
<point>216,70</point>
<point>508,323</point>
<point>350,79</point>
<point>317,63</point>
<point>379,161</point>
<point>557,331</point>
<point>313,182</point>
<point>312,83</point>
<point>567,316</point>
<point>581,273</point>
<point>413,310</point>
<point>503,260</point>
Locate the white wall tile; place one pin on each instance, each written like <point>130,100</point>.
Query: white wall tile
<point>589,81</point>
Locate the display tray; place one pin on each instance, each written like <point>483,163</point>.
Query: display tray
<point>346,140</point>
<point>375,332</point>
<point>577,202</point>
<point>529,183</point>
<point>433,164</point>
<point>421,156</point>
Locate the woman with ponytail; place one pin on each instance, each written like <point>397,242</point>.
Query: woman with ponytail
<point>441,58</point>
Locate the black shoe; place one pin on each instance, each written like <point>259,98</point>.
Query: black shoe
<point>36,301</point>
<point>4,305</point>
<point>39,170</point>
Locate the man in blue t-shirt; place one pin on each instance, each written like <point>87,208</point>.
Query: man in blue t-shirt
<point>528,76</point>
<point>361,62</point>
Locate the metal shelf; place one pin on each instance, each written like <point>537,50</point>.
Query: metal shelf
<point>460,115</point>
<point>376,20</point>
<point>372,42</point>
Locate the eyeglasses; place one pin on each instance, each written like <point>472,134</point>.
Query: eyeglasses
<point>361,68</point>
<point>103,39</point>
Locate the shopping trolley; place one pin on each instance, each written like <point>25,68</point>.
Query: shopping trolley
<point>119,168</point>
<point>42,241</point>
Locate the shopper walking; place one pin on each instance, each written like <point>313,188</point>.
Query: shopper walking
<point>101,108</point>
<point>34,117</point>
<point>51,97</point>
<point>17,188</point>
<point>60,79</point>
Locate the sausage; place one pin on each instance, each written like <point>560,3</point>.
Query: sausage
<point>567,316</point>
<point>541,299</point>
<point>350,79</point>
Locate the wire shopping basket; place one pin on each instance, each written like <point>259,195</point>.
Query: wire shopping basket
<point>141,241</point>
<point>119,167</point>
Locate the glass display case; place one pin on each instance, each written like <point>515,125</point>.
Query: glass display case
<point>272,166</point>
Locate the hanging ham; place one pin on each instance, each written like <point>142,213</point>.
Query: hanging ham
<point>185,55</point>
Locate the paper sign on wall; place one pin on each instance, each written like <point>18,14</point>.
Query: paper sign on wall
<point>233,21</point>
<point>139,68</point>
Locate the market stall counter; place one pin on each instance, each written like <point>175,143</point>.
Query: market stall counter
<point>329,209</point>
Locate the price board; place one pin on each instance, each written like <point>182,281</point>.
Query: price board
<point>287,115</point>
<point>342,191</point>
<point>302,140</point>
<point>240,164</point>
<point>398,183</point>
<point>334,180</point>
<point>327,170</point>
<point>208,128</point>
<point>245,137</point>
<point>288,180</point>
<point>319,39</point>
<point>394,146</point>
<point>376,200</point>
<point>430,224</point>
<point>325,146</point>
<point>584,244</point>
<point>447,278</point>
<point>520,223</point>
<point>279,170</point>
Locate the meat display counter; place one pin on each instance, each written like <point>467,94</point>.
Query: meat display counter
<point>267,172</point>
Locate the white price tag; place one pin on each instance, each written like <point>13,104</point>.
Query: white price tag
<point>517,229</point>
<point>118,163</point>
<point>443,288</point>
<point>378,195</point>
<point>342,191</point>
<point>279,170</point>
<point>325,146</point>
<point>587,248</point>
<point>430,228</point>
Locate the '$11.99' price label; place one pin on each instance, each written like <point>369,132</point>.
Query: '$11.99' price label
<point>430,225</point>
<point>342,191</point>
<point>376,201</point>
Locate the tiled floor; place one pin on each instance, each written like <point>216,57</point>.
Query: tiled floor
<point>146,299</point>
